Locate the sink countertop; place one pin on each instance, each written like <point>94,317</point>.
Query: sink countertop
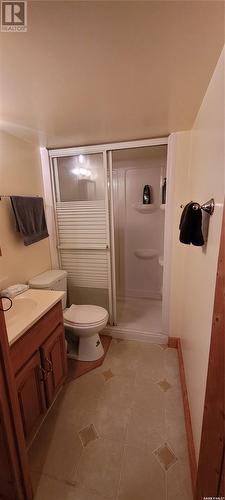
<point>27,309</point>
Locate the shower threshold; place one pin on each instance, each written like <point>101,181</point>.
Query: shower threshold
<point>138,319</point>
<point>119,332</point>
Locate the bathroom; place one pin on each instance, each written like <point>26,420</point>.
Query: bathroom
<point>105,415</point>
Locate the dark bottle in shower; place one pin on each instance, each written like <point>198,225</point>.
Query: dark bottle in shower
<point>164,192</point>
<point>146,195</point>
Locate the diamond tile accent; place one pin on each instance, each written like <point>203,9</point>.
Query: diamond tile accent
<point>165,456</point>
<point>87,435</point>
<point>164,385</point>
<point>108,374</point>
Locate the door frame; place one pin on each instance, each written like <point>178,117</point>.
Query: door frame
<point>47,156</point>
<point>112,240</point>
<point>50,174</point>
<point>211,465</point>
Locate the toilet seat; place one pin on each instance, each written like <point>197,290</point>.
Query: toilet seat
<point>85,315</point>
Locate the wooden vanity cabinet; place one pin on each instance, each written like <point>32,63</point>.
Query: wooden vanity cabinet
<point>31,395</point>
<point>14,472</point>
<point>40,367</point>
<point>54,362</point>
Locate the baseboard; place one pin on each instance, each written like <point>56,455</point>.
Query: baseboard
<point>175,342</point>
<point>122,333</point>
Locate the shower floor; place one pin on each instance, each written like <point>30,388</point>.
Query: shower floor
<point>139,314</point>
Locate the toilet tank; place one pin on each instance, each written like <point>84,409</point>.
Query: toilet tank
<point>55,279</point>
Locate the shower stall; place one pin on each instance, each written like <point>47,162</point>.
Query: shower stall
<point>111,244</point>
<point>139,236</point>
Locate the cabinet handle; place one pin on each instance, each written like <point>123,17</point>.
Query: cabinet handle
<point>50,367</point>
<point>43,374</point>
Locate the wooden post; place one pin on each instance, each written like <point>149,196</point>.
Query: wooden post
<point>210,475</point>
<point>14,471</point>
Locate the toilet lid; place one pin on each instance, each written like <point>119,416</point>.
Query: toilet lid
<point>85,314</point>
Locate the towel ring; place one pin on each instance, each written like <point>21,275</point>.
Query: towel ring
<point>208,206</point>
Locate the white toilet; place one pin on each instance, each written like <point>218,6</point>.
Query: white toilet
<point>82,322</point>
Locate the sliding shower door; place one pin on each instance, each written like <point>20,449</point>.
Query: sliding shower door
<point>82,220</point>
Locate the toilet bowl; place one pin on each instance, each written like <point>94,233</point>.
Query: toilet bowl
<point>82,323</point>
<point>86,322</point>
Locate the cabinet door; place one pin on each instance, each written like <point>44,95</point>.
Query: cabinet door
<point>54,361</point>
<point>30,387</point>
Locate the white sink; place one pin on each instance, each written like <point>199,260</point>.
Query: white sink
<point>27,308</point>
<point>20,305</point>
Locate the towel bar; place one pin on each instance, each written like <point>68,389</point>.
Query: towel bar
<point>25,195</point>
<point>208,207</point>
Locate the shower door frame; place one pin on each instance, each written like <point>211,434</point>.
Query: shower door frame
<point>47,156</point>
<point>56,194</point>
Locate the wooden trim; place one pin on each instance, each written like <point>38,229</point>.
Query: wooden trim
<point>210,477</point>
<point>187,416</point>
<point>175,343</point>
<point>13,424</point>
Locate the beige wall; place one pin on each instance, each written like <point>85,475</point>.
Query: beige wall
<point>199,170</point>
<point>20,173</point>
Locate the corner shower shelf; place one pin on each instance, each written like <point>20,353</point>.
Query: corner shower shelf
<point>145,209</point>
<point>148,253</point>
<point>161,260</point>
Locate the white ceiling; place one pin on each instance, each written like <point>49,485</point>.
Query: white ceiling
<point>94,72</point>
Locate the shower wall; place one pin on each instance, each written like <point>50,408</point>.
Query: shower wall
<point>139,230</point>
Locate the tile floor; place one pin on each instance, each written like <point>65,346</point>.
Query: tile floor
<point>140,314</point>
<point>78,368</point>
<point>117,432</point>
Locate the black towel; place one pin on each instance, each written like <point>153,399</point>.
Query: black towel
<point>30,218</point>
<point>191,226</point>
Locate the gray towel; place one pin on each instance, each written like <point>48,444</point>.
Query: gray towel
<point>30,218</point>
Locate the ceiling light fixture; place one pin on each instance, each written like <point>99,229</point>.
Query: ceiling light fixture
<point>81,158</point>
<point>81,172</point>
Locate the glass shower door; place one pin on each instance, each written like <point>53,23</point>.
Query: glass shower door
<point>82,218</point>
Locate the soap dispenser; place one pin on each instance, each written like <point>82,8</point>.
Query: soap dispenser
<point>164,192</point>
<point>147,195</point>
